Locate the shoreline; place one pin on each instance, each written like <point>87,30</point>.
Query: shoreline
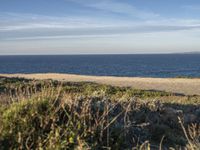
<point>187,86</point>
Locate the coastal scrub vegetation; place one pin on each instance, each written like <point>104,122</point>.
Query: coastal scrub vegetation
<point>64,115</point>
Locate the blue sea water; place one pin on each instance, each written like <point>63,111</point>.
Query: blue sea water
<point>155,65</point>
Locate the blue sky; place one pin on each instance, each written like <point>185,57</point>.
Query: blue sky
<point>99,26</point>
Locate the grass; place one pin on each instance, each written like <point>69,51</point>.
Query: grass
<point>53,115</point>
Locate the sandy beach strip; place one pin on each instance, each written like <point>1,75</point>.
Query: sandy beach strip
<point>175,85</point>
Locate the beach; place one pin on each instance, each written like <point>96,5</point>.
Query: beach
<point>184,86</point>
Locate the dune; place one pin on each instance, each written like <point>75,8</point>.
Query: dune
<point>176,85</point>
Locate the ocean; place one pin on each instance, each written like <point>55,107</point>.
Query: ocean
<point>136,65</point>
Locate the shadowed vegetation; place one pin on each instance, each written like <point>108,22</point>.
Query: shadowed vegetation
<point>53,115</point>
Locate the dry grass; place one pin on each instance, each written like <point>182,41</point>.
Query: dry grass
<point>54,115</point>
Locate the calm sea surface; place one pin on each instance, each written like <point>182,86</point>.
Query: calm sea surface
<point>168,65</point>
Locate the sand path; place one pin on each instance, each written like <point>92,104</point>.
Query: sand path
<point>175,85</point>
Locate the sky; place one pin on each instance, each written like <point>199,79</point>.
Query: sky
<point>99,26</point>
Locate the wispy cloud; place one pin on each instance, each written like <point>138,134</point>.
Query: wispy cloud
<point>114,6</point>
<point>16,21</point>
<point>53,37</point>
<point>19,26</point>
<point>191,7</point>
<point>55,33</point>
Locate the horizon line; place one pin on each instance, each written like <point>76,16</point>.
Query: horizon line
<point>187,52</point>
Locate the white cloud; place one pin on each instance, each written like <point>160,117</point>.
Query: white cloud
<point>117,7</point>
<point>160,42</point>
<point>191,7</point>
<point>52,37</point>
<point>48,27</point>
<point>123,8</point>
